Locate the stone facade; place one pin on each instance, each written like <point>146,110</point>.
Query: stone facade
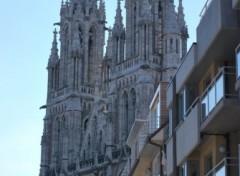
<point>92,99</point>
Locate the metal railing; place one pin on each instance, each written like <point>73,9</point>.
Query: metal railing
<point>153,124</point>
<point>227,167</point>
<point>217,90</point>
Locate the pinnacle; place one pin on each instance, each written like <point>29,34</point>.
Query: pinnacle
<point>118,25</point>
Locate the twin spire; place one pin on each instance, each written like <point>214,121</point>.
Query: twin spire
<point>118,25</point>
<point>54,51</point>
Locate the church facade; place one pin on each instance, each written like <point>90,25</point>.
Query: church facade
<point>94,98</point>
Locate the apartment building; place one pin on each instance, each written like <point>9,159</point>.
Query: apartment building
<point>148,137</point>
<point>203,98</point>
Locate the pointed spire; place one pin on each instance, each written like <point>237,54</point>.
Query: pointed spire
<point>94,6</point>
<point>109,44</point>
<point>118,25</point>
<point>171,23</point>
<point>181,14</point>
<point>181,20</point>
<point>54,51</point>
<point>102,10</point>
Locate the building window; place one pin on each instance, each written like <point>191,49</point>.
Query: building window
<point>177,46</point>
<point>190,167</point>
<point>183,170</point>
<point>180,49</point>
<point>238,64</point>
<point>155,120</point>
<point>171,45</point>
<point>85,124</point>
<point>182,105</point>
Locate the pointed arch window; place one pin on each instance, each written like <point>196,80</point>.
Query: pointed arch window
<point>91,49</point>
<point>100,141</point>
<point>133,107</point>
<point>135,29</point>
<point>145,41</point>
<point>171,45</point>
<point>118,48</point>
<point>52,78</point>
<point>85,124</point>
<point>177,46</point>
<point>125,114</point>
<point>65,53</point>
<point>66,42</point>
<point>80,36</point>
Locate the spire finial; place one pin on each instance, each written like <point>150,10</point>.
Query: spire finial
<point>108,53</point>
<point>181,15</point>
<point>102,11</point>
<point>54,51</point>
<point>118,25</point>
<point>54,44</point>
<point>180,7</point>
<point>180,2</point>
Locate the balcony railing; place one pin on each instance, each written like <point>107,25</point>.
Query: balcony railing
<point>217,90</point>
<point>153,124</point>
<point>205,7</point>
<point>226,167</point>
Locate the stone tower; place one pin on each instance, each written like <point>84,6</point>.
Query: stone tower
<point>93,100</point>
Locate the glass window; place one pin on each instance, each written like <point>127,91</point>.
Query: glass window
<point>183,170</point>
<point>182,104</point>
<point>238,64</point>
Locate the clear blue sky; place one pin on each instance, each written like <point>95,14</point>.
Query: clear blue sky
<point>25,42</point>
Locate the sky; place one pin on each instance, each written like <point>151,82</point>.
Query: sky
<point>25,42</point>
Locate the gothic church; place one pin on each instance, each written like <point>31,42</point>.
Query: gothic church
<point>93,98</point>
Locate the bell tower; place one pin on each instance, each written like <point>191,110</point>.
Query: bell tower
<point>72,77</point>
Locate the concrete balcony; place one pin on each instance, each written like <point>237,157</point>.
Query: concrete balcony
<point>137,125</point>
<point>220,104</point>
<point>148,150</point>
<point>186,67</point>
<point>236,4</point>
<point>217,33</point>
<point>187,133</point>
<point>184,73</point>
